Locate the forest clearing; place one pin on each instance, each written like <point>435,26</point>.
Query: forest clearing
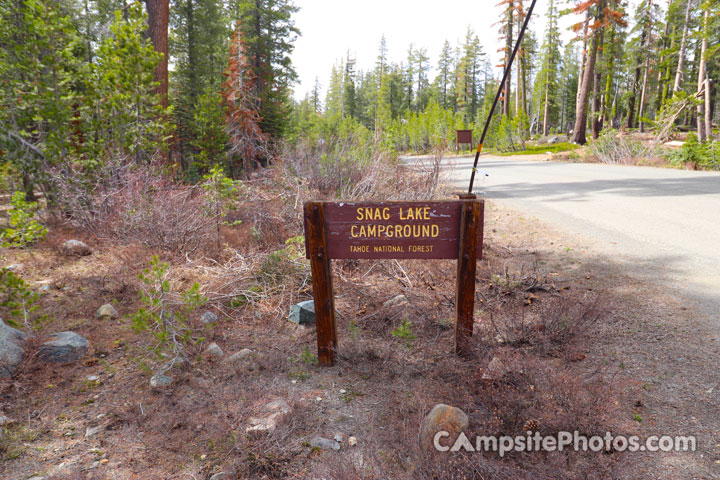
<point>160,319</point>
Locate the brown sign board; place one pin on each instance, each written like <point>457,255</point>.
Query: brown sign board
<point>393,230</point>
<point>421,230</point>
<point>464,136</point>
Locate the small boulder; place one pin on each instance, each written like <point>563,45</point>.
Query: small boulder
<point>396,301</point>
<point>324,443</point>
<point>219,476</point>
<point>208,318</point>
<point>553,140</point>
<point>214,350</point>
<point>303,313</point>
<point>442,418</point>
<point>107,312</point>
<point>237,357</point>
<point>160,380</point>
<point>76,247</point>
<point>67,347</point>
<point>11,350</point>
<point>495,370</point>
<point>352,441</point>
<point>268,418</point>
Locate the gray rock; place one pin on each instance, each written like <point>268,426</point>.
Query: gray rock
<point>67,347</point>
<point>303,313</point>
<point>11,350</point>
<point>107,311</point>
<point>214,350</point>
<point>553,140</point>
<point>76,247</point>
<point>14,267</point>
<point>324,443</point>
<point>238,356</point>
<point>495,370</point>
<point>219,476</point>
<point>268,418</point>
<point>396,301</point>
<point>5,420</point>
<point>36,478</point>
<point>442,418</point>
<point>208,317</point>
<point>160,380</point>
<point>90,431</point>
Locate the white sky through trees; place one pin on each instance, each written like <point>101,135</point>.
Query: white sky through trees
<point>329,28</point>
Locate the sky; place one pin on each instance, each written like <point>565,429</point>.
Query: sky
<point>331,28</point>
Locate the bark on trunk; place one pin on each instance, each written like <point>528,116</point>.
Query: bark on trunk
<point>158,17</point>
<point>587,81</point>
<point>702,68</point>
<point>508,54</point>
<point>681,53</point>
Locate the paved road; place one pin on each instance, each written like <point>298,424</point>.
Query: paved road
<point>667,221</point>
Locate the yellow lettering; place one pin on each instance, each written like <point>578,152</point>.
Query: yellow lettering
<point>352,231</point>
<point>386,213</point>
<point>435,231</point>
<point>426,212</point>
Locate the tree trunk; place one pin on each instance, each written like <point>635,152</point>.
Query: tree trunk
<point>508,54</point>
<point>708,109</point>
<point>587,81</point>
<point>596,98</point>
<point>158,17</point>
<point>546,109</point>
<point>702,69</point>
<point>646,67</point>
<point>681,53</point>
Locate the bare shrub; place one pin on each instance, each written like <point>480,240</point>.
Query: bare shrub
<point>615,149</point>
<point>358,168</point>
<point>551,328</point>
<point>137,204</point>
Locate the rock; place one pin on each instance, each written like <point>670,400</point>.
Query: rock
<point>36,478</point>
<point>238,356</point>
<point>673,144</point>
<point>11,350</point>
<point>14,267</point>
<point>442,418</point>
<point>5,420</point>
<point>396,301</point>
<point>495,369</point>
<point>219,476</point>
<point>303,313</point>
<point>67,347</point>
<point>90,431</point>
<point>160,380</point>
<point>324,443</point>
<point>208,318</point>
<point>553,140</point>
<point>338,437</point>
<point>214,350</point>
<point>76,247</point>
<point>270,414</point>
<point>107,312</point>
<point>352,441</point>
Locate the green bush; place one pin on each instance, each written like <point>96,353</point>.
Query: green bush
<point>706,155</point>
<point>23,229</point>
<point>166,313</point>
<point>20,300</point>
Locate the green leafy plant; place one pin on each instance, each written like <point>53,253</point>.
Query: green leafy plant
<point>23,229</point>
<point>404,332</point>
<point>20,299</point>
<point>308,357</point>
<point>166,312</point>
<point>221,192</point>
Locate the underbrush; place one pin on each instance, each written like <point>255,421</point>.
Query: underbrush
<point>617,149</point>
<point>540,149</point>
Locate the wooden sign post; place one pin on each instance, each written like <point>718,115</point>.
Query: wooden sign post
<point>393,230</point>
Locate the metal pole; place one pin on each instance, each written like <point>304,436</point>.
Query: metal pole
<point>508,68</point>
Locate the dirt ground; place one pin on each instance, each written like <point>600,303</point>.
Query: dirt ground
<point>643,363</point>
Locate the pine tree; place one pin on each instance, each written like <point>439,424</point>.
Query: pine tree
<point>445,66</point>
<point>248,143</point>
<point>547,84</point>
<point>269,32</point>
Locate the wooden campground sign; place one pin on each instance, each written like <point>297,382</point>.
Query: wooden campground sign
<point>392,230</point>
